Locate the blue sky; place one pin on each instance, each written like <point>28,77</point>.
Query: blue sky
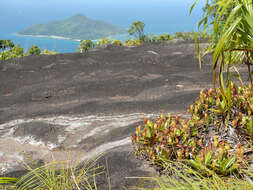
<point>18,14</point>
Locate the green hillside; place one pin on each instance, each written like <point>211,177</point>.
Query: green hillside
<point>75,27</point>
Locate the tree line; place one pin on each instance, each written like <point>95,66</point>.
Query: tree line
<point>139,36</point>
<point>9,50</point>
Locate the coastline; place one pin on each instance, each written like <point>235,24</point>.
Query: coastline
<point>71,39</point>
<point>48,36</point>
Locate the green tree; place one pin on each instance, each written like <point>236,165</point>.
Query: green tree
<point>34,50</point>
<point>137,29</point>
<point>6,44</point>
<point>85,45</point>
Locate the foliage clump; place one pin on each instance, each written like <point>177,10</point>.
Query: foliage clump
<point>163,37</point>
<point>47,52</point>
<point>85,45</point>
<point>34,50</point>
<point>10,50</point>
<point>133,42</point>
<point>214,137</point>
<point>190,36</point>
<point>6,44</point>
<point>55,175</point>
<point>104,41</point>
<point>117,42</point>
<point>137,29</point>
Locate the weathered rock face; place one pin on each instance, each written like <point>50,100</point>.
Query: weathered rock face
<point>81,105</point>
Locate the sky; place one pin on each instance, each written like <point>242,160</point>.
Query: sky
<point>18,14</point>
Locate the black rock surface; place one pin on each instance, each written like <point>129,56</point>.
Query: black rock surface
<point>81,105</point>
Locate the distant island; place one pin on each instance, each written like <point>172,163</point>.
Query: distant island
<point>77,27</point>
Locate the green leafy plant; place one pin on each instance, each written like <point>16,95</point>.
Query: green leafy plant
<point>211,137</point>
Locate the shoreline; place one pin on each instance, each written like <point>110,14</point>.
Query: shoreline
<point>48,36</point>
<point>63,38</point>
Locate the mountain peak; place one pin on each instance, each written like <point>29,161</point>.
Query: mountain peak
<point>79,16</point>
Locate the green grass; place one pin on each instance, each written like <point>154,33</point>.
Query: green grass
<point>183,177</point>
<point>62,175</point>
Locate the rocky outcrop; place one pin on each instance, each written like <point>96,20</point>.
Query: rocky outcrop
<point>81,105</point>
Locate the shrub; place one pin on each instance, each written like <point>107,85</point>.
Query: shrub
<point>47,52</point>
<point>16,51</point>
<point>117,42</point>
<point>133,42</point>
<point>5,54</point>
<point>163,37</point>
<point>34,50</point>
<point>104,41</point>
<point>6,44</point>
<point>213,137</point>
<point>85,45</point>
<point>190,36</point>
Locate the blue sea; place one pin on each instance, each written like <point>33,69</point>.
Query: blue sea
<point>160,16</point>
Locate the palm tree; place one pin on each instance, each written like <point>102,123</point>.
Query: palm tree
<point>232,42</point>
<point>232,39</point>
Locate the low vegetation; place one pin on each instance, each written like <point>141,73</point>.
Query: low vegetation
<point>183,177</point>
<point>190,36</point>
<point>85,45</point>
<point>67,175</point>
<point>212,149</point>
<point>213,137</point>
<point>9,50</point>
<point>209,147</point>
<point>137,31</point>
<point>104,41</point>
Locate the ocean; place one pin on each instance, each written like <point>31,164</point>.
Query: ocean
<point>160,16</point>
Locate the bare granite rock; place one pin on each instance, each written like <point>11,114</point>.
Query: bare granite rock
<point>80,105</point>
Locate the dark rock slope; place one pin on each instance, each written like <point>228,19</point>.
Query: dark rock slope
<point>81,105</point>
